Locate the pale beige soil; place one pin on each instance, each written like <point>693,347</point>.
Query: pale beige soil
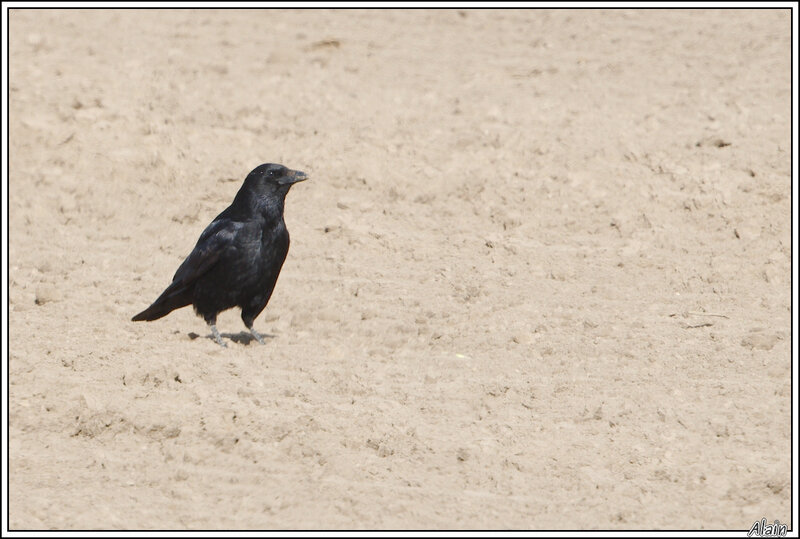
<point>540,276</point>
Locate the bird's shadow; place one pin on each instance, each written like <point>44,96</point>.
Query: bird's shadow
<point>243,337</point>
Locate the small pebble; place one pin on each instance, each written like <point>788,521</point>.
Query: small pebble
<point>47,293</point>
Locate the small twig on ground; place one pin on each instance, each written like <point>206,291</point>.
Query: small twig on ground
<point>703,325</point>
<point>695,313</point>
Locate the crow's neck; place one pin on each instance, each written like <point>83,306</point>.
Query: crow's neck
<point>247,205</point>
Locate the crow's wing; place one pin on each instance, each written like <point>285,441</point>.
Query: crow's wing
<point>219,236</point>
<point>215,240</point>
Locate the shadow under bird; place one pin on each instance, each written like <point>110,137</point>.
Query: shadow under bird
<point>238,257</point>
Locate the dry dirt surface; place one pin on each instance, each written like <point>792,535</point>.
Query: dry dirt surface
<point>539,278</point>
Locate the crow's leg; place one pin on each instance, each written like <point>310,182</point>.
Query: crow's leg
<point>248,322</point>
<point>217,336</point>
<point>255,334</point>
<point>212,323</point>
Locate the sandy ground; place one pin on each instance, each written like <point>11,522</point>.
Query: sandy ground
<point>539,279</point>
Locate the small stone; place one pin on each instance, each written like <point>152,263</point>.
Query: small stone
<point>761,341</point>
<point>47,293</point>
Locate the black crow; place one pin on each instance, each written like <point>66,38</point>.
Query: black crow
<point>238,257</point>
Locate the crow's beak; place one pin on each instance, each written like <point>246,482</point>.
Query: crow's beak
<point>296,176</point>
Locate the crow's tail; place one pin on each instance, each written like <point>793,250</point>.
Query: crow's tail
<point>165,304</point>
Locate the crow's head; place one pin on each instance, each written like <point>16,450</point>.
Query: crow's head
<point>271,178</point>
